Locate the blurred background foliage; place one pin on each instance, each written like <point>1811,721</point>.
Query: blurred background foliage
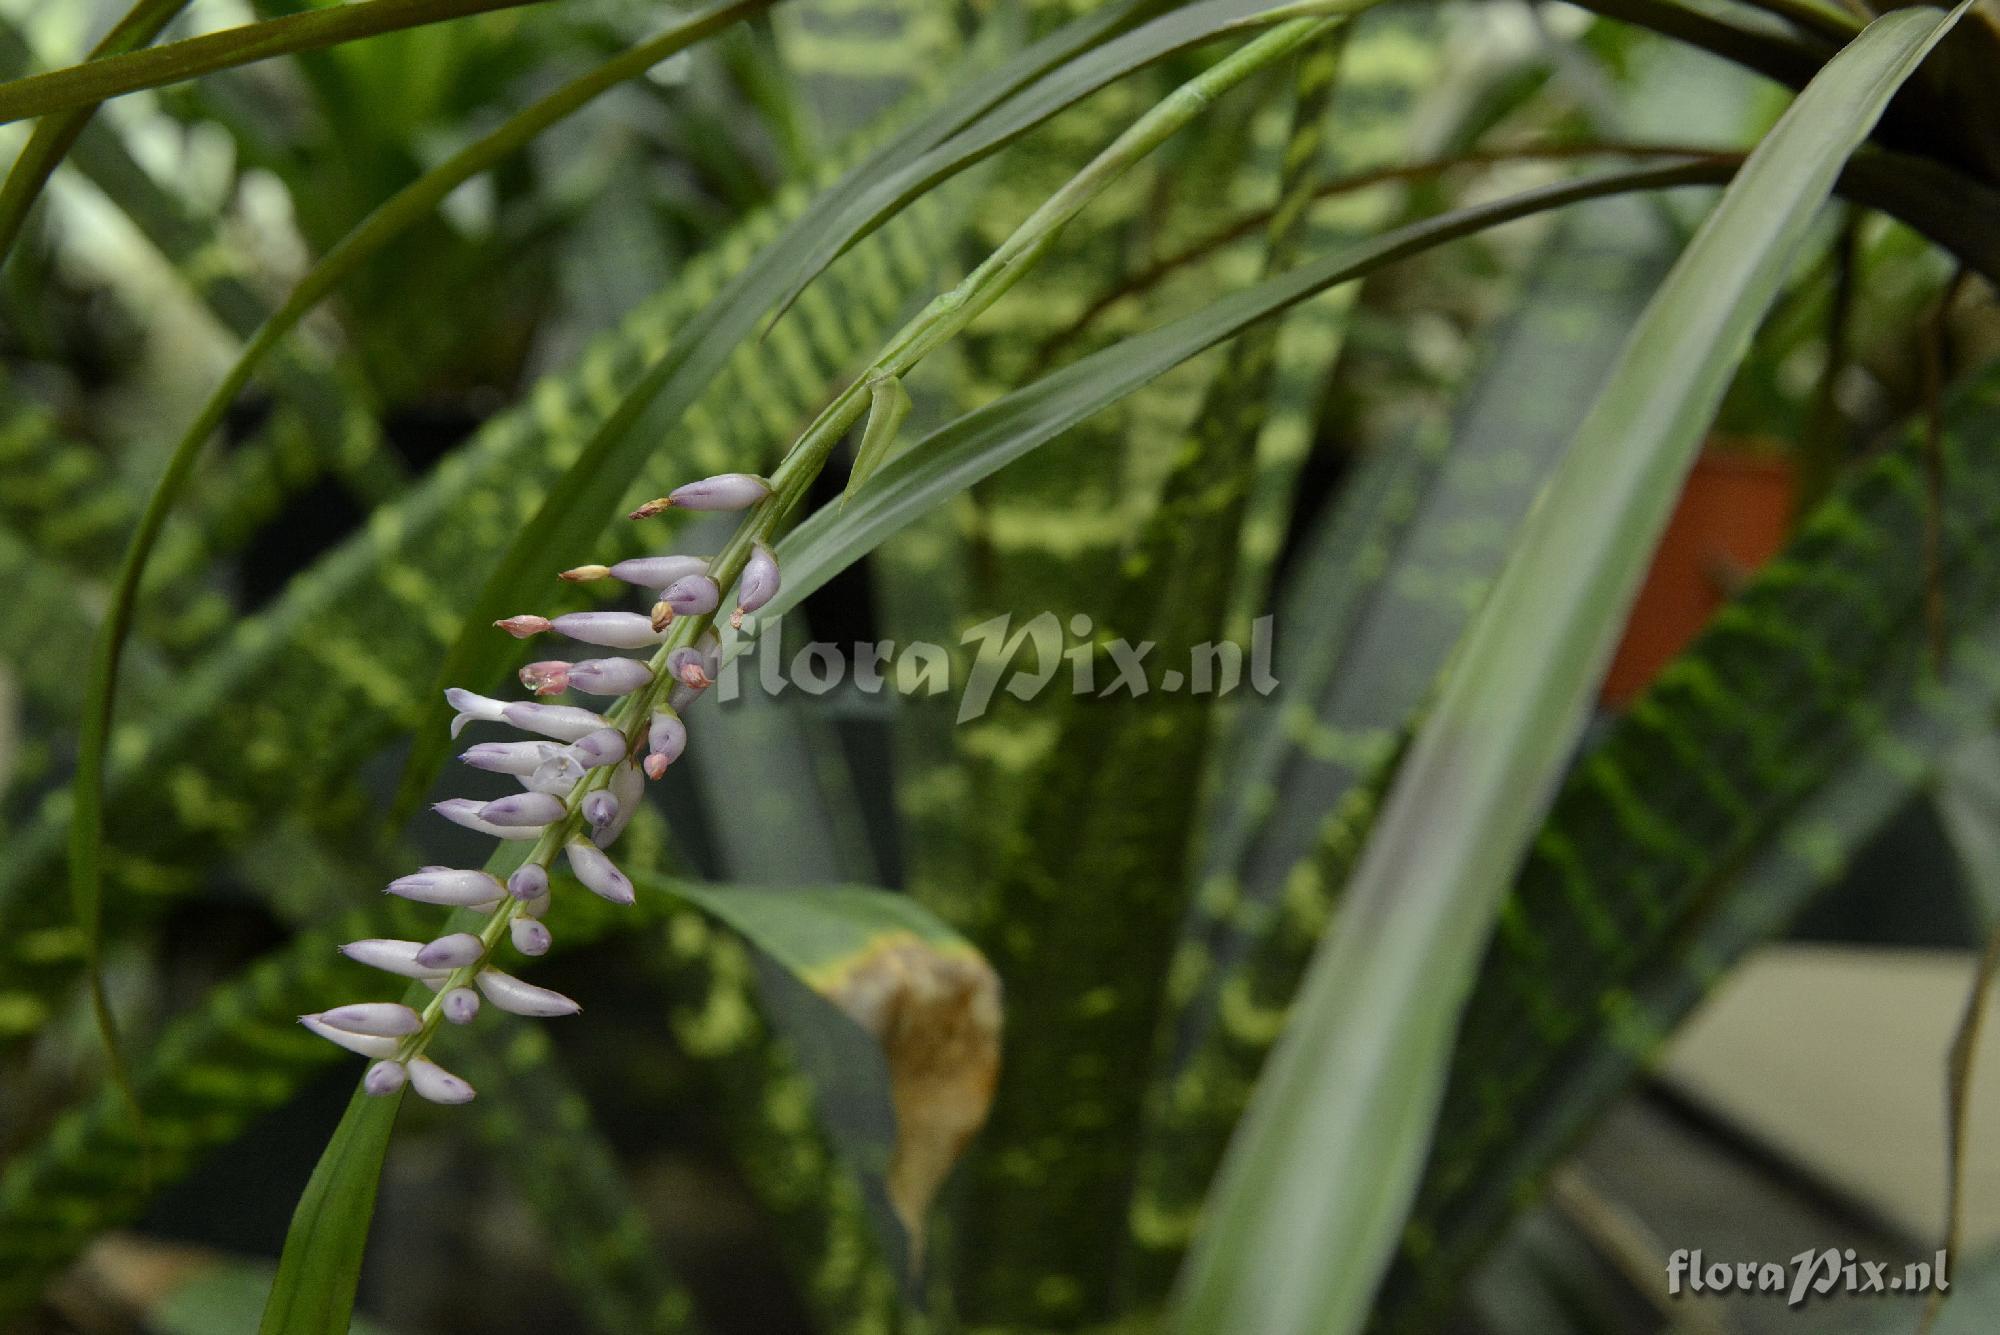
<point>706,1147</point>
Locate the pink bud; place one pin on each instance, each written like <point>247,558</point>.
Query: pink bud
<point>548,677</point>
<point>521,627</point>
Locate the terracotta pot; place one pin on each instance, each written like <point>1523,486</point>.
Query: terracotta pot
<point>1732,517</point>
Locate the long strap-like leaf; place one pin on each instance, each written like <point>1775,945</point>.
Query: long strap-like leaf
<point>1354,1087</point>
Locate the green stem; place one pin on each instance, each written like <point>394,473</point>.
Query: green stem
<point>97,80</point>
<point>52,139</point>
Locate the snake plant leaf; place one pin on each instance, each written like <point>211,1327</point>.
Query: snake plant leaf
<point>340,663</point>
<point>1388,577</point>
<point>95,81</point>
<point>921,991</point>
<point>1355,1084</point>
<point>1812,706</point>
<point>1087,63</point>
<point>53,135</point>
<point>980,443</point>
<point>1968,807</point>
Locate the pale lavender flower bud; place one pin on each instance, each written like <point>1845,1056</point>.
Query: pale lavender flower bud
<point>384,1077</point>
<point>465,811</point>
<point>442,885</point>
<point>600,809</point>
<point>565,723</point>
<point>529,881</point>
<point>629,787</point>
<point>452,952</point>
<point>724,491</point>
<point>548,677</point>
<point>609,676</point>
<point>510,757</point>
<point>685,663</point>
<point>598,873</point>
<point>760,582</point>
<point>530,937</point>
<point>388,955</point>
<point>437,1084</point>
<point>387,1019</point>
<point>557,777</point>
<point>368,1045</point>
<point>656,572</point>
<point>692,596</point>
<point>604,747</point>
<point>472,707</point>
<point>459,1005</point>
<point>523,809</point>
<point>613,630</point>
<point>511,994</point>
<point>667,738</point>
<point>522,627</point>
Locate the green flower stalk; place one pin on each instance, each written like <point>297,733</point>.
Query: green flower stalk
<point>581,771</point>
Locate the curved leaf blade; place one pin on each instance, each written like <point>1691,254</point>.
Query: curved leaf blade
<point>1354,1086</point>
<point>980,443</point>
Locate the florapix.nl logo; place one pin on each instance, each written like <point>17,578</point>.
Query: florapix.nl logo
<point>1023,657</point>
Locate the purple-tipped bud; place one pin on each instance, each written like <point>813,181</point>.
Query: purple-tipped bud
<point>584,574</point>
<point>760,583</point>
<point>604,747</point>
<point>511,994</point>
<point>557,777</point>
<point>437,1084</point>
<point>388,955</point>
<point>666,739</point>
<point>724,491</point>
<point>368,1045</point>
<point>693,595</point>
<point>613,630</point>
<point>510,757</point>
<point>529,881</point>
<point>656,572</point>
<point>530,937</point>
<point>384,1078</point>
<point>523,809</point>
<point>598,873</point>
<point>548,677</point>
<point>465,811</point>
<point>565,723</point>
<point>600,809</point>
<point>472,707</point>
<point>609,676</point>
<point>685,663</point>
<point>442,885</point>
<point>387,1019</point>
<point>459,1005</point>
<point>452,952</point>
<point>523,627</point>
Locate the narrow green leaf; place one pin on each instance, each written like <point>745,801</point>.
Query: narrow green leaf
<point>888,405</point>
<point>1354,1086</point>
<point>1086,70</point>
<point>313,1293</point>
<point>54,135</point>
<point>95,81</point>
<point>980,443</point>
